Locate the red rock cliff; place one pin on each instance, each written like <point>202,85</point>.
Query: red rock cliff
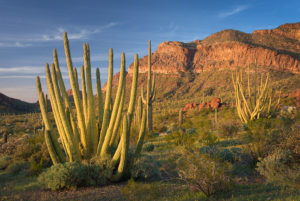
<point>278,49</point>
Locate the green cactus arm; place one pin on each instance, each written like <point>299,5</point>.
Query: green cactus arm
<point>116,157</point>
<point>104,150</point>
<point>139,111</point>
<point>118,119</point>
<point>133,89</point>
<point>49,143</point>
<point>53,148</point>
<point>66,125</point>
<point>64,93</point>
<point>149,75</point>
<point>106,115</point>
<point>124,150</point>
<point>142,95</point>
<point>55,110</point>
<point>141,137</point>
<point>60,79</point>
<point>77,101</point>
<point>99,98</point>
<point>153,89</point>
<point>84,97</point>
<point>92,136</point>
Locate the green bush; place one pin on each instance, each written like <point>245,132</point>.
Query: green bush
<point>280,168</point>
<point>149,147</point>
<point>34,150</point>
<point>4,162</point>
<point>228,129</point>
<point>17,166</point>
<point>231,155</point>
<point>203,173</point>
<point>72,175</point>
<point>146,168</point>
<point>182,138</point>
<point>209,139</point>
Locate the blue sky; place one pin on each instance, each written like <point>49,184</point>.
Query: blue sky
<point>29,30</point>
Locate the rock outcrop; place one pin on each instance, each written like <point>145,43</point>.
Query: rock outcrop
<point>278,49</point>
<point>214,104</point>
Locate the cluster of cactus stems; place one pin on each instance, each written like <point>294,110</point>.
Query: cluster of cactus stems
<point>86,133</point>
<point>254,103</point>
<point>150,96</point>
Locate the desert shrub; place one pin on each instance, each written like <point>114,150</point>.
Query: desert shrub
<point>231,155</point>
<point>17,166</point>
<point>146,168</point>
<point>290,140</point>
<point>228,129</point>
<point>72,175</point>
<point>4,161</point>
<point>149,147</point>
<point>182,138</point>
<point>203,173</point>
<point>209,91</point>
<point>264,135</point>
<point>141,191</point>
<point>280,168</point>
<point>209,139</point>
<point>34,150</point>
<point>212,151</point>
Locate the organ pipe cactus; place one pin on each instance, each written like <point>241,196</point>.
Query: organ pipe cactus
<point>254,104</point>
<point>84,133</point>
<point>150,97</point>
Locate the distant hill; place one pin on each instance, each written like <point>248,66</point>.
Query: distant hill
<point>189,70</point>
<point>278,49</point>
<point>16,106</point>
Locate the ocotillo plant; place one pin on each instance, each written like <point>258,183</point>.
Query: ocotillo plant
<point>84,133</point>
<point>253,104</point>
<point>150,98</point>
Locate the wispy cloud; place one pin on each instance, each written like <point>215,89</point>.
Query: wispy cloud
<point>21,70</point>
<point>104,57</point>
<point>74,33</point>
<point>234,11</point>
<point>14,44</point>
<point>32,71</point>
<point>169,31</point>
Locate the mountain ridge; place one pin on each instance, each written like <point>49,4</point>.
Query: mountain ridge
<point>277,48</point>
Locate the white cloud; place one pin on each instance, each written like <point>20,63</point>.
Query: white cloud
<point>236,10</point>
<point>14,44</point>
<point>22,70</point>
<point>74,33</point>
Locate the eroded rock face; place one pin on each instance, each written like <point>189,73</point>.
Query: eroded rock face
<point>215,103</point>
<point>296,96</point>
<point>278,49</point>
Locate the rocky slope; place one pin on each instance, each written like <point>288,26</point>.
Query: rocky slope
<point>278,49</point>
<point>11,105</point>
<point>189,70</point>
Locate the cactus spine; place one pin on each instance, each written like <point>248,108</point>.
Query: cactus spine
<point>150,98</point>
<point>253,107</point>
<point>88,138</point>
